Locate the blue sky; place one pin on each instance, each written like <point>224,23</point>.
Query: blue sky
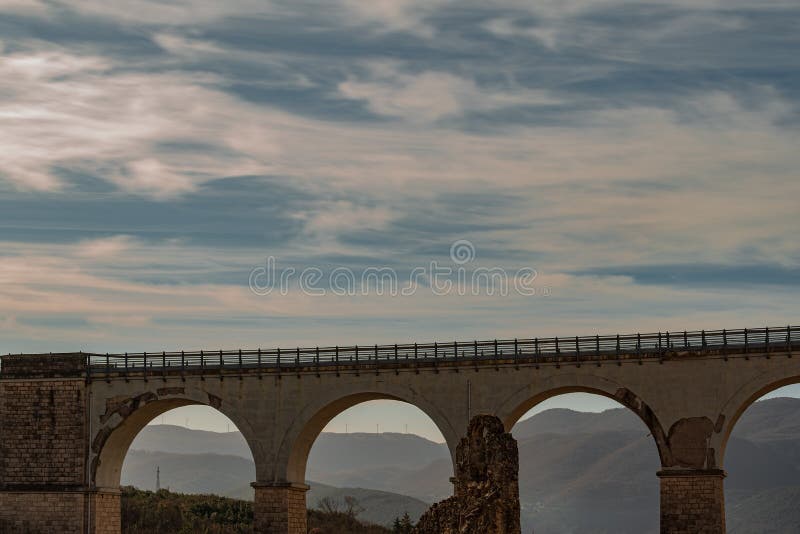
<point>640,156</point>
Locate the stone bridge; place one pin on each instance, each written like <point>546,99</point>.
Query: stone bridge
<point>67,420</point>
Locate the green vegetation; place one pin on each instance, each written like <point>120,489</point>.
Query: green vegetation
<point>164,512</point>
<point>402,525</point>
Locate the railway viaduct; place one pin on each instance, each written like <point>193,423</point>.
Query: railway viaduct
<point>67,420</point>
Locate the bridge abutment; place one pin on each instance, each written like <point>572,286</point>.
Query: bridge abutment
<point>692,501</point>
<point>43,444</point>
<point>280,508</point>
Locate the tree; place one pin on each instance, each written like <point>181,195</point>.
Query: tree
<point>352,508</point>
<point>402,525</point>
<point>329,505</point>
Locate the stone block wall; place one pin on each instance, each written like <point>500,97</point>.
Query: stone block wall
<point>41,512</point>
<point>43,444</point>
<point>692,502</point>
<point>280,509</point>
<point>44,433</point>
<point>106,512</point>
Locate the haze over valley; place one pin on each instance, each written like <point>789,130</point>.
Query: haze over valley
<point>579,472</point>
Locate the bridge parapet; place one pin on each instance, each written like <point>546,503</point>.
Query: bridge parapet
<point>32,366</point>
<point>531,351</point>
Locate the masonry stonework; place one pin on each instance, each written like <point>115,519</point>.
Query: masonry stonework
<point>33,512</point>
<point>280,509</point>
<point>486,499</point>
<point>42,446</point>
<point>106,512</point>
<point>44,432</point>
<point>692,502</point>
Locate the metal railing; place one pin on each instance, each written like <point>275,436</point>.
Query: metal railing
<point>556,350</point>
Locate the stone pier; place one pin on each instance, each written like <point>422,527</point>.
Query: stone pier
<point>280,508</point>
<point>692,501</point>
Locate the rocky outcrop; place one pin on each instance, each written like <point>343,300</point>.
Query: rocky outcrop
<point>486,498</point>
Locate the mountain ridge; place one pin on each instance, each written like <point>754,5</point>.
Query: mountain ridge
<point>601,464</point>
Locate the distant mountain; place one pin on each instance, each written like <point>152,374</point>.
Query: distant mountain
<point>393,462</point>
<point>772,511</point>
<point>379,507</point>
<point>343,452</point>
<point>400,463</point>
<point>182,440</point>
<point>603,466</point>
<point>591,482</point>
<point>563,421</point>
<point>220,474</point>
<point>227,475</point>
<point>579,472</point>
<point>771,420</point>
<point>331,452</point>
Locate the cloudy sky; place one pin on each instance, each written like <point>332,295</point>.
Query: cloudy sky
<point>641,156</point>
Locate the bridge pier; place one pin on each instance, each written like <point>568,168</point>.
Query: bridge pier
<point>692,501</point>
<point>105,511</point>
<point>279,508</point>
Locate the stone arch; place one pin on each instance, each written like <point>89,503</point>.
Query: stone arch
<point>744,397</point>
<point>524,399</point>
<point>314,417</point>
<point>125,417</point>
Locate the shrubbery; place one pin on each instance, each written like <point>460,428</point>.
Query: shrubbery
<point>164,512</point>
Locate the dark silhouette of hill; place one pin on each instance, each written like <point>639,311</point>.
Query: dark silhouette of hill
<point>579,472</point>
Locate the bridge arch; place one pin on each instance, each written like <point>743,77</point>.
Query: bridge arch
<point>126,418</point>
<point>744,397</point>
<point>521,401</point>
<point>315,417</point>
<point>574,460</point>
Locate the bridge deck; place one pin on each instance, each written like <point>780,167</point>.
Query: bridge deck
<point>532,351</point>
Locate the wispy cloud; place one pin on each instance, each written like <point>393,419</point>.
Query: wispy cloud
<point>429,96</point>
<point>109,247</point>
<point>153,153</point>
<point>94,307</point>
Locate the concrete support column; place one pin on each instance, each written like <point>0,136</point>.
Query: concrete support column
<point>692,501</point>
<point>279,508</point>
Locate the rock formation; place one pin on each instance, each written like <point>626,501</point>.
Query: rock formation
<point>486,497</point>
